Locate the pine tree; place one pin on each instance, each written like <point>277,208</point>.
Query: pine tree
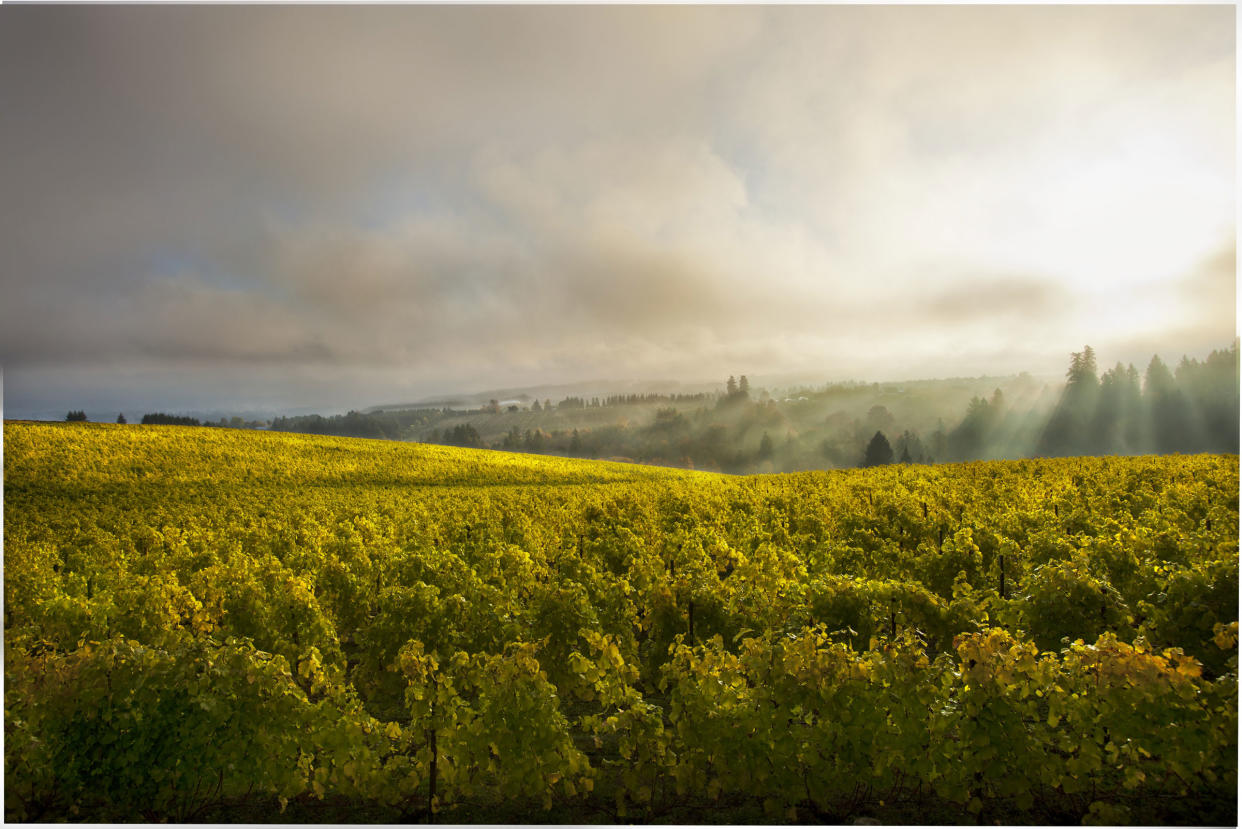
<point>879,451</point>
<point>1069,428</point>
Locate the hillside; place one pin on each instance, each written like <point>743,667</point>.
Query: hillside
<point>223,625</point>
<point>1190,408</point>
<point>99,456</point>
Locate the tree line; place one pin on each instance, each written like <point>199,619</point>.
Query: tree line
<point>1190,407</point>
<point>162,419</point>
<point>384,424</point>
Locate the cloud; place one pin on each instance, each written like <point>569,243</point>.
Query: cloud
<point>1208,300</point>
<point>478,195</point>
<point>1000,300</point>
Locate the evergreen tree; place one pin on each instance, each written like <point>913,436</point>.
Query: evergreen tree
<point>909,447</point>
<point>1215,395</point>
<point>1068,429</point>
<point>1133,428</point>
<point>120,418</point>
<point>765,446</point>
<point>970,440</point>
<point>1187,375</point>
<point>879,451</point>
<point>1168,413</point>
<point>1105,430</point>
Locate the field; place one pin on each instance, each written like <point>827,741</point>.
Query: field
<point>220,625</point>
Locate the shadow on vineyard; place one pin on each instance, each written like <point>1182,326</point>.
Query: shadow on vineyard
<point>227,626</point>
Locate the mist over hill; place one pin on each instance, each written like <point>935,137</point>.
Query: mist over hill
<point>525,395</point>
<point>281,210</point>
<point>740,427</point>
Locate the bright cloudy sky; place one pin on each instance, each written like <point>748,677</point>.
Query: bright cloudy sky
<point>337,206</point>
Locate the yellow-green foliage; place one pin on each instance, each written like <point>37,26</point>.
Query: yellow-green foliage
<point>424,628</point>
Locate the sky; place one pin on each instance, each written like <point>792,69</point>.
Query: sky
<point>328,207</point>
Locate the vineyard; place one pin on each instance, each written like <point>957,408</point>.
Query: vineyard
<point>219,625</point>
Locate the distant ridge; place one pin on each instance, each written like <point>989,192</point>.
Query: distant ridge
<point>589,388</point>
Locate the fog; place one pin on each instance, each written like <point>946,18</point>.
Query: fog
<point>319,208</point>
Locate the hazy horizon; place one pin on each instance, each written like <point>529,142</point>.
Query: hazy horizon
<point>281,208</point>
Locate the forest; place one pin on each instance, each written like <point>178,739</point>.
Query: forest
<point>1191,407</point>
